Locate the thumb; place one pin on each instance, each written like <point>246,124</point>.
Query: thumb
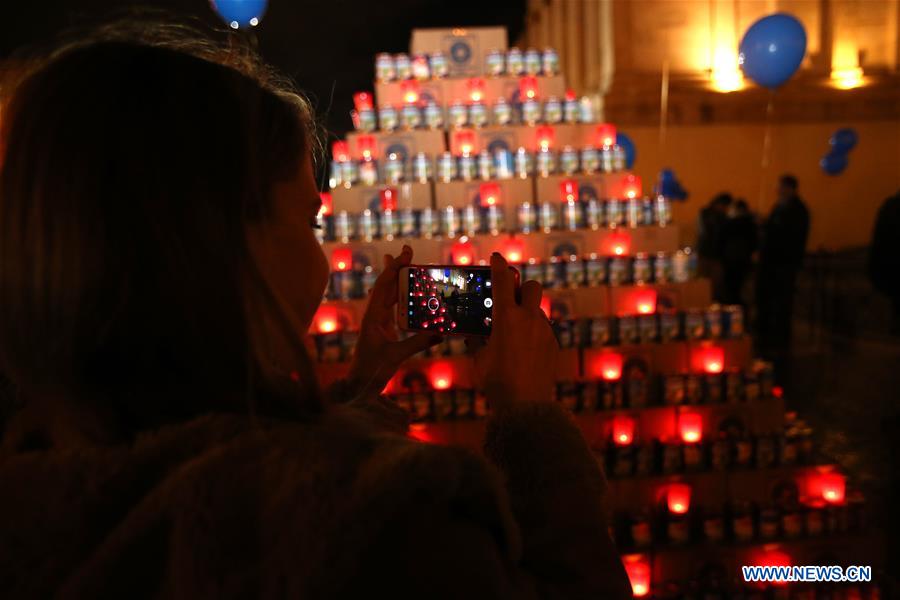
<point>404,349</point>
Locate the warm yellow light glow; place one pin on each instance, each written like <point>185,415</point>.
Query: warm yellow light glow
<point>726,75</point>
<point>847,79</point>
<point>846,73</point>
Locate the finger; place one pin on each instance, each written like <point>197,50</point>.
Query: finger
<point>503,285</point>
<point>384,292</point>
<point>531,294</point>
<point>404,349</point>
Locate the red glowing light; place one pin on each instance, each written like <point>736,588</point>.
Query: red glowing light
<point>327,207</point>
<point>420,432</point>
<point>638,569</point>
<point>326,319</point>
<point>410,91</point>
<point>340,151</point>
<point>528,87</point>
<point>362,101</point>
<point>690,427</point>
<point>833,487</point>
<point>464,142</point>
<point>546,306</point>
<point>514,250</point>
<point>546,137</point>
<point>570,95</point>
<point>476,89</point>
<point>632,186</point>
<point>605,134</point>
<point>623,430</point>
<point>617,243</point>
<point>678,498</point>
<point>608,365</point>
<point>462,253</point>
<point>366,146</point>
<point>771,556</point>
<point>644,301</point>
<point>568,190</point>
<point>388,199</point>
<point>341,259</point>
<point>777,391</point>
<point>441,376</point>
<point>490,194</point>
<point>709,359</point>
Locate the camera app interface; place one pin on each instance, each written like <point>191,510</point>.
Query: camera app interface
<point>450,300</point>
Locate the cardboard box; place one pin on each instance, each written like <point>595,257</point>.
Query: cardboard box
<point>589,186</point>
<point>405,144</point>
<point>512,137</point>
<point>358,198</point>
<point>390,93</point>
<point>504,86</point>
<point>459,194</point>
<point>465,48</point>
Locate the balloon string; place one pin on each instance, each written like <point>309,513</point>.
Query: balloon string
<point>766,151</point>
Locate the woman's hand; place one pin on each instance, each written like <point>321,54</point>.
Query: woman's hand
<point>378,351</point>
<point>519,362</point>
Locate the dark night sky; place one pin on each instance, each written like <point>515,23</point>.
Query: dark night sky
<point>320,43</point>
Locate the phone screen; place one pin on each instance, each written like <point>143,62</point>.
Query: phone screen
<point>449,299</point>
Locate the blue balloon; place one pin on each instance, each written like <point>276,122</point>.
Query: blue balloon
<point>240,13</point>
<point>628,146</point>
<point>772,49</point>
<point>843,140</point>
<point>834,163</point>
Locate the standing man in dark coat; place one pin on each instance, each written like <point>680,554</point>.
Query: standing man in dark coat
<point>739,241</point>
<point>783,245</point>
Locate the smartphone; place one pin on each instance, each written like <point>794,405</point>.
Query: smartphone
<point>447,299</point>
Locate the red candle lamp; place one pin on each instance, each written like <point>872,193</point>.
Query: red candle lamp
<point>388,198</point>
<point>362,101</point>
<point>832,487</point>
<point>690,427</point>
<point>476,89</point>
<point>771,556</point>
<point>327,207</point>
<point>490,194</point>
<point>644,301</point>
<point>461,253</point>
<point>637,566</point>
<point>608,365</point>
<point>623,430</point>
<point>366,146</point>
<point>546,137</point>
<point>605,135</point>
<point>709,359</point>
<point>632,186</point>
<point>464,142</point>
<point>678,498</point>
<point>514,250</point>
<point>617,243</point>
<point>409,89</point>
<point>341,259</point>
<point>568,190</point>
<point>528,87</point>
<point>570,94</point>
<point>340,151</point>
<point>326,319</point>
<point>441,376</point>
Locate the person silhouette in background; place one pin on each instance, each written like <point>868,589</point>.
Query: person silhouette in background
<point>739,240</point>
<point>781,251</point>
<point>884,256</point>
<point>710,225</point>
